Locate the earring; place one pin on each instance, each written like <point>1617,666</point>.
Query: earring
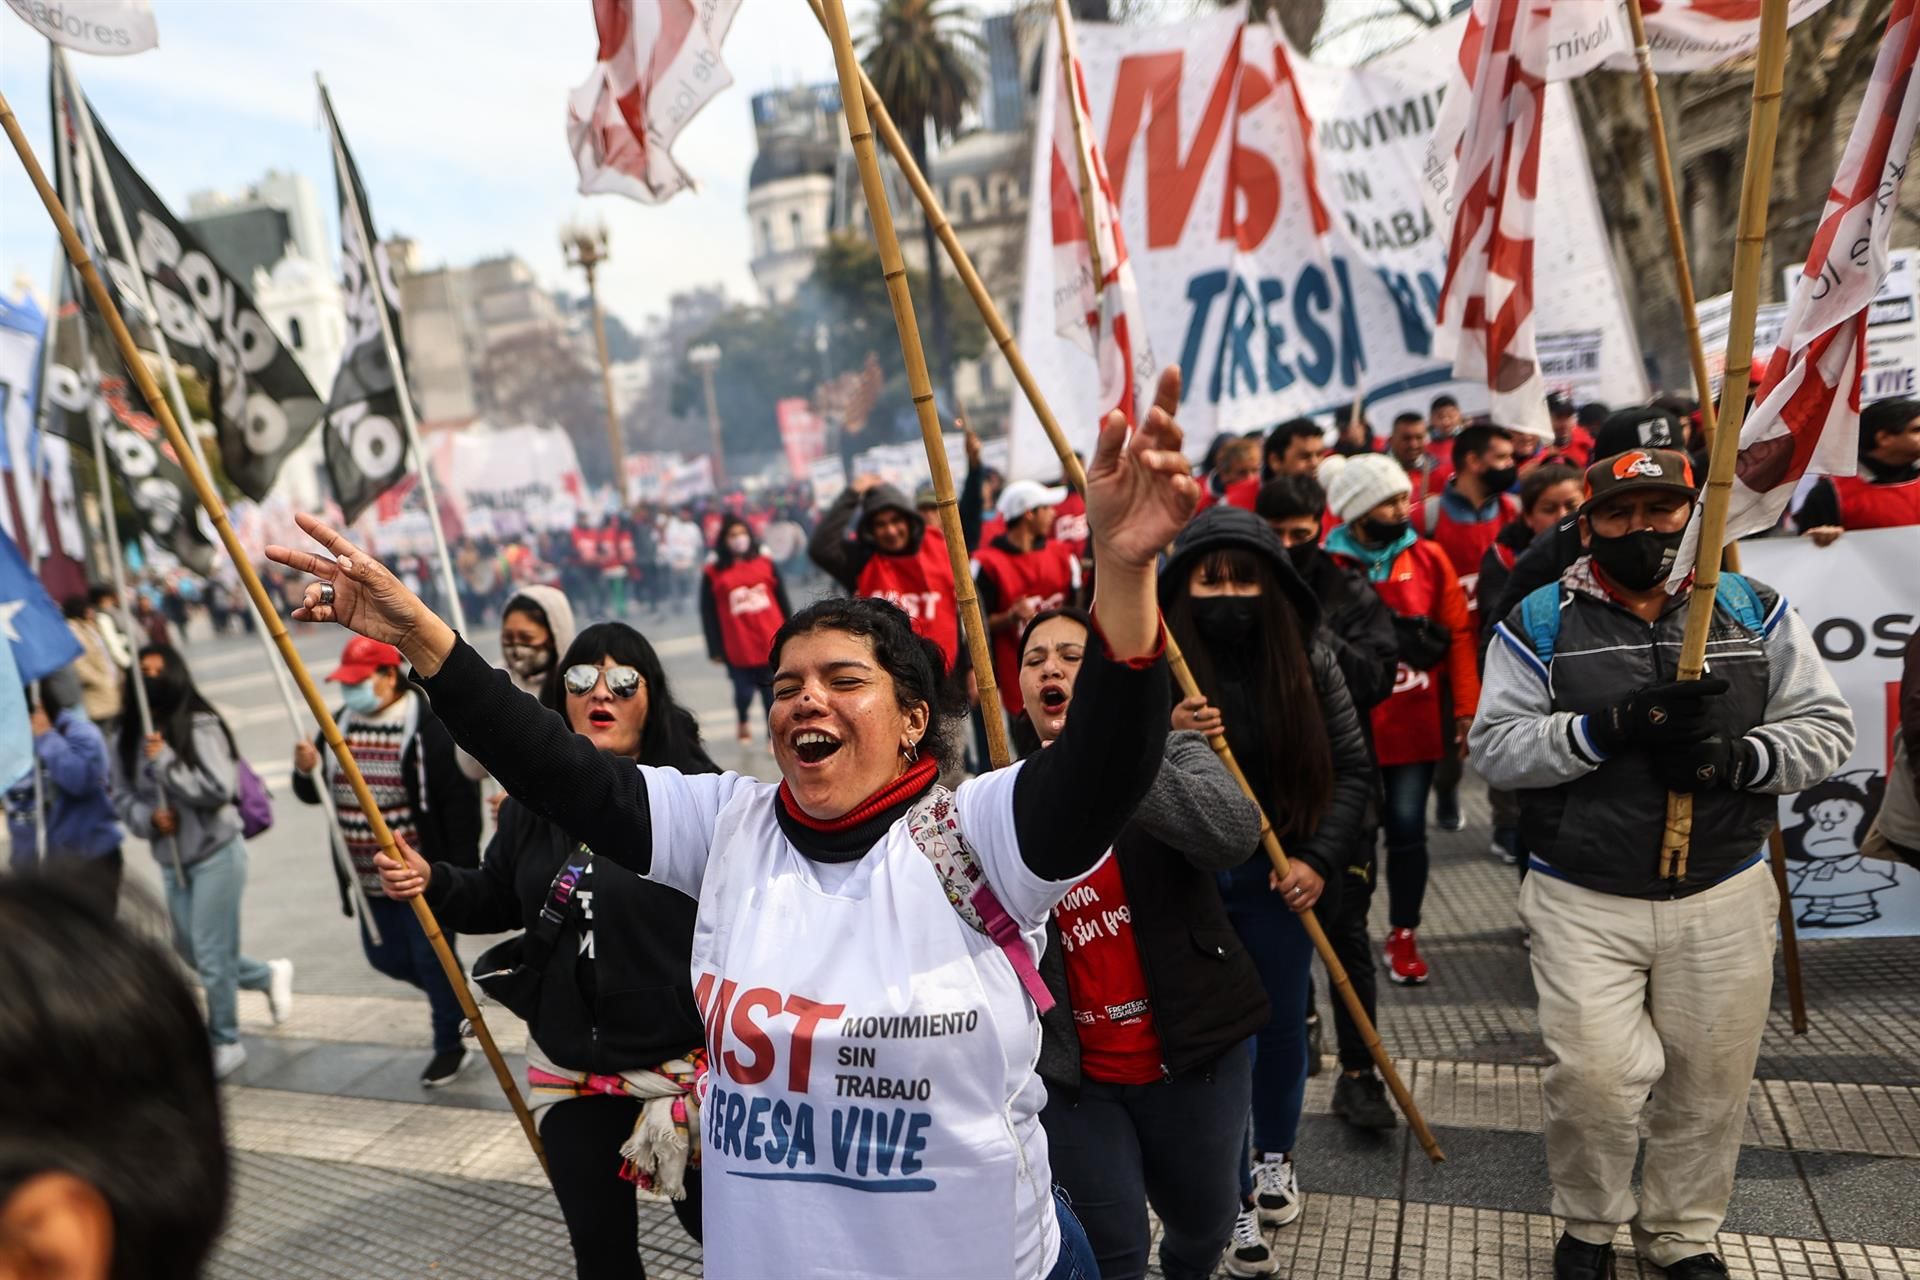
<point>911,751</point>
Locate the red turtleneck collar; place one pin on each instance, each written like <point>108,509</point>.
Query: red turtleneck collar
<point>910,783</point>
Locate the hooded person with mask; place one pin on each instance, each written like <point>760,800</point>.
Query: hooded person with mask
<point>535,629</point>
<point>1437,684</point>
<point>742,604</point>
<point>1251,630</point>
<point>1654,982</point>
<point>892,555</point>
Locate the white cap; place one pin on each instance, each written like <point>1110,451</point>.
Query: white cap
<point>1366,481</point>
<point>1023,496</point>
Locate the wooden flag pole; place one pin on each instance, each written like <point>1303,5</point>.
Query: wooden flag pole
<point>1076,476</point>
<point>1749,246</point>
<point>1703,391</point>
<point>216,510</point>
<point>888,243</point>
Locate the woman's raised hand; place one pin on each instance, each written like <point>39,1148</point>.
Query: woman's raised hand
<point>1140,491</point>
<point>365,597</point>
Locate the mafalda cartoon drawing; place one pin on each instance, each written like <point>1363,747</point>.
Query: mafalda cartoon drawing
<point>1833,884</point>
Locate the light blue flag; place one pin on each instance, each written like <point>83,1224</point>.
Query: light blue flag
<point>16,735</point>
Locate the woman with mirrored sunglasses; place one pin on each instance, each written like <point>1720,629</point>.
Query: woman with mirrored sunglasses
<point>614,1039</point>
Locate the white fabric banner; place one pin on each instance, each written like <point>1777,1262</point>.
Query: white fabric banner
<point>111,27</point>
<point>1263,321</point>
<point>1861,599</point>
<point>510,480</point>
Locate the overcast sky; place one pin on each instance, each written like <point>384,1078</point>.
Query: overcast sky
<point>455,110</point>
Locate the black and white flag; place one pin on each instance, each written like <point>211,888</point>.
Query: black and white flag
<point>261,402</point>
<point>365,440</point>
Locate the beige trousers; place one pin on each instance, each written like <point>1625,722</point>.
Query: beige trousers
<point>1639,997</point>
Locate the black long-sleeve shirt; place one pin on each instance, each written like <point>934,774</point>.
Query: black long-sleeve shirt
<point>1069,801</point>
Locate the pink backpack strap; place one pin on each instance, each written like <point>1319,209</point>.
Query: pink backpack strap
<point>934,824</point>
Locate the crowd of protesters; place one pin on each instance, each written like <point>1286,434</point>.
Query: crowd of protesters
<point>1089,992</point>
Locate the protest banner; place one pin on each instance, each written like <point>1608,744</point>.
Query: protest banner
<point>1861,601</point>
<point>1266,319</point>
<point>803,434</point>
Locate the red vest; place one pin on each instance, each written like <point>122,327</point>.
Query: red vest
<point>1047,576</point>
<point>1069,524</point>
<point>749,612</point>
<point>1466,542</point>
<point>1866,505</point>
<point>922,586</point>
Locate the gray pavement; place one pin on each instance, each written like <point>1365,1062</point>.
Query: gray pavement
<point>347,1168</point>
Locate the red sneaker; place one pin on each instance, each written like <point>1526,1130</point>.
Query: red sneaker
<point>1404,964</point>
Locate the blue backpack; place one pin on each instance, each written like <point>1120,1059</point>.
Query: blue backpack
<point>1540,612</point>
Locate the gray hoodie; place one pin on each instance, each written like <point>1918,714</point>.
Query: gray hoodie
<point>201,796</point>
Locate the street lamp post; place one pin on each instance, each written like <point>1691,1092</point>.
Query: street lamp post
<point>706,358</point>
<point>586,248</point>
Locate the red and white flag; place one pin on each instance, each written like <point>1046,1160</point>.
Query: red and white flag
<point>1096,301</point>
<point>1806,413</point>
<point>659,63</point>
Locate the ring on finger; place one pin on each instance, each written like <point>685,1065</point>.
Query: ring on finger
<point>326,593</point>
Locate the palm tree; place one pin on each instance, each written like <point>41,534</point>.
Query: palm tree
<point>922,58</point>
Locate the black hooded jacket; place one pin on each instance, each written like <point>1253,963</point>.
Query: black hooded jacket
<point>842,557</point>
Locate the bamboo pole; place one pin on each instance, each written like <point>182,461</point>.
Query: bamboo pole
<point>1749,246</point>
<point>1703,391</point>
<point>216,510</point>
<point>888,243</point>
<point>1076,476</point>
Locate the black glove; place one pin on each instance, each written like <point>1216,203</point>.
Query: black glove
<point>1656,716</point>
<point>1423,642</point>
<point>1716,763</point>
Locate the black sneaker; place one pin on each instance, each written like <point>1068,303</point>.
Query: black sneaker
<point>1446,811</point>
<point>1701,1266</point>
<point>1314,1044</point>
<point>444,1066</point>
<point>1578,1260</point>
<point>1362,1102</point>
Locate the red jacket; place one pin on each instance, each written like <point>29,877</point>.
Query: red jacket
<point>1047,576</point>
<point>746,601</point>
<point>1466,542</point>
<point>922,586</point>
<point>1866,505</point>
<point>1409,727</point>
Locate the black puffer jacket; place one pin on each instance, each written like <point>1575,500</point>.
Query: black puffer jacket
<point>1205,993</point>
<point>632,1005</point>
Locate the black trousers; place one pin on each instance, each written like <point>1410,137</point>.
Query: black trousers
<point>583,1137</point>
<point>1176,1144</point>
<point>1347,931</point>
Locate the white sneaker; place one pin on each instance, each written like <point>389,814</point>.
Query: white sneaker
<point>280,990</point>
<point>228,1058</point>
<point>1247,1252</point>
<point>1276,1190</point>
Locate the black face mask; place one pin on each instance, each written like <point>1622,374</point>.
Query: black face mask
<point>162,697</point>
<point>1227,623</point>
<point>1384,533</point>
<point>1500,479</point>
<point>1303,555</point>
<point>1638,561</point>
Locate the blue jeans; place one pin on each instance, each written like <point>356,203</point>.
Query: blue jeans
<point>206,932</point>
<point>746,681</point>
<point>1076,1261</point>
<point>1405,822</point>
<point>1283,954</point>
<point>405,954</point>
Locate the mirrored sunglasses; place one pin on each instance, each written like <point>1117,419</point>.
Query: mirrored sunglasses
<point>622,682</point>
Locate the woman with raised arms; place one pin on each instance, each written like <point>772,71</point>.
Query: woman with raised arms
<point>872,1107</point>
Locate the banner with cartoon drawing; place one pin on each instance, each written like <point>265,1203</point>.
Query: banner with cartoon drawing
<point>1861,599</point>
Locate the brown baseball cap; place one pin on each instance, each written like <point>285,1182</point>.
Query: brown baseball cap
<point>1638,469</point>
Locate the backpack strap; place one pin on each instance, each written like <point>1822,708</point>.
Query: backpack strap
<point>934,825</point>
<point>1743,604</point>
<point>1430,514</point>
<point>1540,617</point>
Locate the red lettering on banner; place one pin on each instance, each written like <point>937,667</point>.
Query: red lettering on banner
<point>751,1037</point>
<point>1173,181</point>
<point>1253,183</point>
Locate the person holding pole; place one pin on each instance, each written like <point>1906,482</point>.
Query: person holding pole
<point>407,757</point>
<point>82,833</point>
<point>176,788</point>
<point>863,1034</point>
<point>1650,986</point>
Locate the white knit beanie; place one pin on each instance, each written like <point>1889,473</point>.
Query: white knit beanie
<point>1367,480</point>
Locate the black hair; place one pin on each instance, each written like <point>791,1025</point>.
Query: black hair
<point>1442,402</point>
<point>1402,419</point>
<point>529,606</point>
<point>98,595</point>
<point>721,555</point>
<point>1298,786</point>
<point>1591,414</point>
<point>75,607</point>
<point>110,1077</point>
<point>1541,479</point>
<point>175,700</point>
<point>917,665</point>
<point>1067,611</point>
<point>1471,442</point>
<point>670,738</point>
<point>1287,432</point>
<point>1289,497</point>
<point>1883,417</point>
